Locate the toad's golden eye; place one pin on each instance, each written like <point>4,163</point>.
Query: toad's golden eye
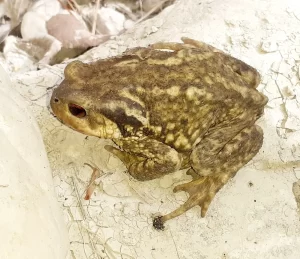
<point>77,110</point>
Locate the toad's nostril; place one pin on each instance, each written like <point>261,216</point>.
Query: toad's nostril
<point>77,110</point>
<point>56,100</point>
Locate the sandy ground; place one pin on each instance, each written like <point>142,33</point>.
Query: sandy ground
<point>255,215</point>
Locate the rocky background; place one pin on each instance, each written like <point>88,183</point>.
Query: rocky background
<point>254,216</point>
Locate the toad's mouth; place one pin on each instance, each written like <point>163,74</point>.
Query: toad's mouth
<point>76,110</point>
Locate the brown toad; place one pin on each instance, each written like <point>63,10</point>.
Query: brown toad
<point>167,107</point>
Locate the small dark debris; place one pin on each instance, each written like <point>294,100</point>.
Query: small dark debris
<point>250,184</point>
<point>158,224</point>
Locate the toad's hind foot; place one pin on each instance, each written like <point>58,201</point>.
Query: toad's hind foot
<point>201,192</point>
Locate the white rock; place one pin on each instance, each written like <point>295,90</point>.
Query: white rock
<point>269,46</point>
<point>31,221</point>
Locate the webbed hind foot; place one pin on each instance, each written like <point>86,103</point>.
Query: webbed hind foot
<point>201,192</point>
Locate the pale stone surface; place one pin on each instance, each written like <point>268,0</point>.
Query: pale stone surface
<point>31,221</point>
<point>255,215</point>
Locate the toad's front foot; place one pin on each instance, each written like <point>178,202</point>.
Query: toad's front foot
<point>201,192</point>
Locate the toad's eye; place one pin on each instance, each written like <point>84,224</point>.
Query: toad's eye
<point>77,110</point>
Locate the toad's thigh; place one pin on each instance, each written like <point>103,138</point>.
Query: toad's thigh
<point>236,152</point>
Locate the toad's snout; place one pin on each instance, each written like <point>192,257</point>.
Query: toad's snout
<point>58,107</point>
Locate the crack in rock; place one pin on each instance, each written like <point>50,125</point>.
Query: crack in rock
<point>296,191</point>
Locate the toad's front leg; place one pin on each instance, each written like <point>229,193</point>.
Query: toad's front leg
<point>146,158</point>
<point>222,166</point>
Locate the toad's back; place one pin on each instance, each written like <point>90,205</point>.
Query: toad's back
<point>174,96</point>
<point>184,92</point>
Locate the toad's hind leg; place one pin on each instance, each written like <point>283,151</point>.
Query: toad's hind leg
<point>237,152</point>
<point>246,72</point>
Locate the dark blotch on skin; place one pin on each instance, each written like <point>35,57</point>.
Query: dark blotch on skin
<point>122,119</point>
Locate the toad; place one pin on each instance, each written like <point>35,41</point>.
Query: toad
<point>167,107</point>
